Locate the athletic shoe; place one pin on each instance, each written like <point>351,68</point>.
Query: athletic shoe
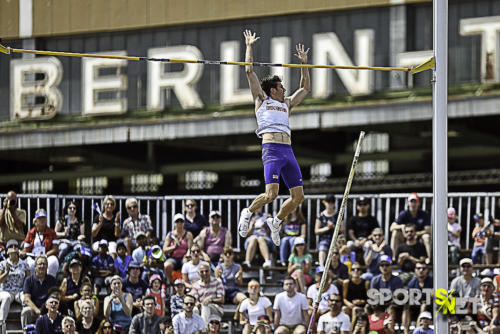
<point>274,226</point>
<point>244,222</point>
<point>267,264</point>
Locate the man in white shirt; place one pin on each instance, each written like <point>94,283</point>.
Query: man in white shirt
<point>334,321</point>
<point>328,289</point>
<point>290,309</point>
<point>187,321</point>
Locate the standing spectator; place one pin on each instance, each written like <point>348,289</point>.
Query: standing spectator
<point>252,308</point>
<point>86,295</point>
<point>102,265</point>
<point>107,226</point>
<point>214,238</point>
<point>135,286</point>
<point>187,321</point>
<point>374,249</point>
<point>488,314</point>
<point>134,224</point>
<point>122,259</point>
<point>480,233</point>
<point>417,216</point>
<point>12,219</point>
<point>147,321</point>
<point>13,271</point>
<point>209,292</point>
<point>334,321</point>
<point>176,246</point>
<point>465,285</point>
<point>42,240</point>
<point>68,325</point>
<point>325,224</point>
<point>454,231</point>
<point>195,221</point>
<point>360,227</point>
<point>258,237</point>
<point>231,274</point>
<point>118,305</point>
<point>87,323</point>
<point>71,285</point>
<point>409,253</point>
<point>177,300</point>
<point>290,309</point>
<point>294,226</point>
<point>328,290</point>
<point>69,230</point>
<point>355,291</point>
<point>190,270</point>
<point>299,264</point>
<point>425,320</point>
<point>51,322</point>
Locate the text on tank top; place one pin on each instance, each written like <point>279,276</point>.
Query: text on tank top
<point>272,116</point>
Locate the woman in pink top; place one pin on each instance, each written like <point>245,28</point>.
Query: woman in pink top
<point>176,245</point>
<point>213,239</point>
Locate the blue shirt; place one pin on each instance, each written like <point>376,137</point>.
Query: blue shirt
<point>341,271</point>
<point>137,290</point>
<point>122,265</point>
<point>419,330</point>
<point>373,267</point>
<point>392,284</point>
<point>196,225</point>
<point>422,219</point>
<point>44,325</point>
<point>37,289</point>
<point>100,263</point>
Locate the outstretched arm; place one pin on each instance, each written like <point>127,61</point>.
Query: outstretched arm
<point>257,92</point>
<point>305,80</point>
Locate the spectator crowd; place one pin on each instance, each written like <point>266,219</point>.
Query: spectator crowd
<point>121,278</point>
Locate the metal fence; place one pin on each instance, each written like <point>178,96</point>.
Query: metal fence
<point>161,209</point>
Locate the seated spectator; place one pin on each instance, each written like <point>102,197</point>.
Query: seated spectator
<point>294,226</point>
<point>122,259</point>
<point>258,237</point>
<point>325,224</point>
<point>51,322</point>
<point>425,320</point>
<point>355,291</point>
<point>252,308</point>
<point>346,255</point>
<point>176,246</point>
<point>140,250</point>
<point>422,281</point>
<point>68,325</point>
<point>12,219</point>
<point>80,252</point>
<point>360,323</point>
<point>118,305</point>
<point>87,323</point>
<point>53,291</point>
<point>86,295</point>
<point>381,321</point>
<point>153,264</point>
<point>231,274</point>
<point>102,265</point>
<point>135,286</point>
<point>360,227</point>
<point>375,248</point>
<point>195,221</point>
<point>417,216</point>
<point>190,270</point>
<point>328,290</point>
<point>409,253</point>
<point>35,290</point>
<point>41,240</point>
<point>300,264</point>
<point>187,321</point>
<point>71,285</point>
<point>386,280</point>
<point>155,290</point>
<point>13,271</point>
<point>214,238</point>
<point>454,231</point>
<point>209,292</point>
<point>135,223</point>
<point>106,327</point>
<point>465,285</point>
<point>69,230</point>
<point>106,226</point>
<point>214,324</point>
<point>148,321</point>
<point>338,271</point>
<point>177,299</point>
<point>488,313</point>
<point>479,233</point>
<point>290,309</point>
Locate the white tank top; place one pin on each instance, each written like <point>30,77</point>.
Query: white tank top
<point>272,116</point>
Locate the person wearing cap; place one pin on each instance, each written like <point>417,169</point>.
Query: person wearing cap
<point>81,252</point>
<point>122,259</point>
<point>12,219</point>
<point>153,263</point>
<point>148,321</point>
<point>252,308</point>
<point>177,299</point>
<point>187,321</point>
<point>214,324</point>
<point>417,216</point>
<point>231,275</point>
<point>155,290</point>
<point>141,248</point>
<point>424,320</point>
<point>324,226</point>
<point>118,305</point>
<point>135,223</point>
<point>479,234</point>
<point>488,312</point>
<point>290,309</point>
<point>134,285</point>
<point>214,238</point>
<point>69,230</point>
<point>294,226</point>
<point>209,292</point>
<point>106,225</point>
<point>176,245</point>
<point>360,227</point>
<point>454,230</point>
<point>51,322</point>
<point>300,264</point>
<point>70,286</point>
<point>335,320</point>
<point>102,266</point>
<point>13,271</point>
<point>374,248</point>
<point>386,280</point>
<point>465,285</point>
<point>41,239</point>
<point>328,289</point>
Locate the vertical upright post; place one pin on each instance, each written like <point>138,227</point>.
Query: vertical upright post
<point>440,154</point>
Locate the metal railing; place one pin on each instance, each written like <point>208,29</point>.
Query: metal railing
<point>161,209</point>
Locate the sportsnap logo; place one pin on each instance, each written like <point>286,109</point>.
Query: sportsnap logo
<point>446,300</point>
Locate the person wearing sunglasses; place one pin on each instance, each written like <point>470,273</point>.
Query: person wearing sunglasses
<point>106,327</point>
<point>231,275</point>
<point>209,292</point>
<point>51,322</point>
<point>191,269</point>
<point>187,321</point>
<point>135,223</point>
<point>252,308</point>
<point>106,225</point>
<point>386,280</point>
<point>195,221</point>
<point>374,249</point>
<point>422,281</point>
<point>355,291</point>
<point>176,246</point>
<point>213,239</point>
<point>334,321</point>
<point>214,324</point>
<point>465,285</point>
<point>360,227</point>
<point>409,253</point>
<point>69,229</point>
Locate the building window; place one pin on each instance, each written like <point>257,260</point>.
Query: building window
<point>37,186</point>
<point>321,172</point>
<point>90,185</point>
<point>200,179</point>
<point>144,183</point>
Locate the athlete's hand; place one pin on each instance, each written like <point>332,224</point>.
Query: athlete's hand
<point>301,54</point>
<point>250,38</point>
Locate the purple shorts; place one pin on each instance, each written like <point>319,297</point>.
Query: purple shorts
<point>278,159</point>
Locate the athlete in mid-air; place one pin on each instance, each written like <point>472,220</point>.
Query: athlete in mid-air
<point>272,110</point>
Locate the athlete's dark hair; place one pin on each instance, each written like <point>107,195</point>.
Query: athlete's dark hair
<point>269,82</point>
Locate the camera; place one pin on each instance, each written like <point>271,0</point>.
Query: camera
<point>12,202</point>
<point>465,324</point>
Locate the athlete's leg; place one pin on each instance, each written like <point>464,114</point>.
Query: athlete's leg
<point>271,193</point>
<point>296,197</point>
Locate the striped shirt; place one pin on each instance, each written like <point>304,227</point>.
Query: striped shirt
<point>214,289</point>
